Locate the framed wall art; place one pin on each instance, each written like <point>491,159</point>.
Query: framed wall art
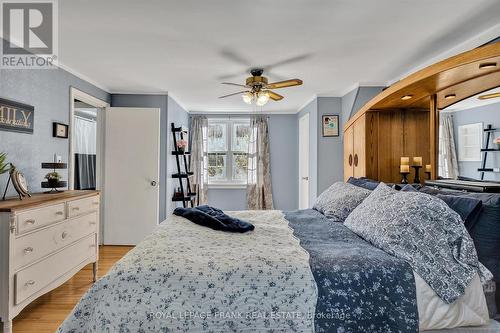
<point>16,117</point>
<point>330,125</point>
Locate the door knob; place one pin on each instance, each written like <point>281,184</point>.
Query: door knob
<point>350,159</point>
<point>153,183</point>
<point>305,178</point>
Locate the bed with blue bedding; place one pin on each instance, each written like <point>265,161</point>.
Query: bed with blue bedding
<point>297,271</point>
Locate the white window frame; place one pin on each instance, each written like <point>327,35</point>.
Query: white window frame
<point>229,182</point>
<point>476,132</point>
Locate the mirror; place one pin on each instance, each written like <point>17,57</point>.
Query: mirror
<point>469,138</point>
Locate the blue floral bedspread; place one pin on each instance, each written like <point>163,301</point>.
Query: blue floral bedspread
<point>360,288</point>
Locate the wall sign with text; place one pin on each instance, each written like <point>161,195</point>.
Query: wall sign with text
<point>16,117</point>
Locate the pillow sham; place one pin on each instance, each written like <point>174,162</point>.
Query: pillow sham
<point>369,184</point>
<point>425,232</point>
<point>339,200</point>
<point>468,208</point>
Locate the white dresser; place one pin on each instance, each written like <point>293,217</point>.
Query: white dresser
<point>44,241</point>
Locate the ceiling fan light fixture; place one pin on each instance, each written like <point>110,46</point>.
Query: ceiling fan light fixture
<point>247,97</point>
<point>406,97</point>
<point>262,98</point>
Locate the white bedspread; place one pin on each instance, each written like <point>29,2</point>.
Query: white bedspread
<point>187,278</point>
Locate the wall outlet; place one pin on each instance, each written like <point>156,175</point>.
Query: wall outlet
<point>58,158</point>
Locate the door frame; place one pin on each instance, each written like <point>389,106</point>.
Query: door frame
<point>305,116</point>
<point>100,104</point>
<point>75,93</point>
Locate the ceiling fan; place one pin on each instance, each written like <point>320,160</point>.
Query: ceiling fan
<point>259,88</point>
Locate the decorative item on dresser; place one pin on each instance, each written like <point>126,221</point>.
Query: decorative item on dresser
<point>53,178</point>
<point>417,165</point>
<point>184,193</point>
<point>18,181</point>
<point>45,240</point>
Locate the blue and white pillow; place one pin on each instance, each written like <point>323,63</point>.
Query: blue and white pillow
<point>339,200</point>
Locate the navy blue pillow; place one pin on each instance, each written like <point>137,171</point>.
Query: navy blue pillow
<point>469,209</point>
<point>369,184</point>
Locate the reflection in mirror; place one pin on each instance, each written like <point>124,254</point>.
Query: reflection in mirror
<point>469,138</point>
<point>84,146</point>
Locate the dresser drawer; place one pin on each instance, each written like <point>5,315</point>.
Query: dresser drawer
<point>36,218</point>
<point>29,248</point>
<point>83,206</point>
<point>35,277</point>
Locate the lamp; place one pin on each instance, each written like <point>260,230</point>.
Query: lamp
<point>247,97</point>
<point>262,98</point>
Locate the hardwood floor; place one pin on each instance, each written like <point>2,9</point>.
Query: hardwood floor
<point>46,313</point>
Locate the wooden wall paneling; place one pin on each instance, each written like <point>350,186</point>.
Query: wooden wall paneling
<point>390,145</point>
<point>416,139</point>
<point>434,135</point>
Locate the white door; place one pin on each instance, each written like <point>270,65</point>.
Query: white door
<point>131,173</point>
<point>304,162</point>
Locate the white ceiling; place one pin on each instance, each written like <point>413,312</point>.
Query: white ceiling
<point>188,47</point>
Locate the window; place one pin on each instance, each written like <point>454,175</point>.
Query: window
<point>227,151</point>
<point>469,142</point>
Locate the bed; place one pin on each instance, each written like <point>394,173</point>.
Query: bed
<point>296,272</point>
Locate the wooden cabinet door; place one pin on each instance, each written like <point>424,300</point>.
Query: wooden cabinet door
<point>359,151</point>
<point>348,153</point>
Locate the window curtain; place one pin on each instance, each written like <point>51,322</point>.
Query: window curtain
<point>85,131</point>
<point>259,192</point>
<point>448,163</point>
<point>199,158</point>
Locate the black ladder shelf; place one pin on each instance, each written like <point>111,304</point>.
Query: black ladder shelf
<point>488,130</point>
<point>187,196</point>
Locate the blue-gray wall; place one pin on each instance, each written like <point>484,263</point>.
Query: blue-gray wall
<point>284,168</point>
<point>488,114</point>
<point>48,90</point>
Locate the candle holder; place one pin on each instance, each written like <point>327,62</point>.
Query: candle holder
<point>417,173</point>
<point>428,174</point>
<point>404,180</point>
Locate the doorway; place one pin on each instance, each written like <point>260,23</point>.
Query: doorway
<point>304,162</point>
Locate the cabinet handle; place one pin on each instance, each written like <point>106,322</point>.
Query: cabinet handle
<point>29,283</point>
<point>31,221</point>
<point>28,250</point>
<point>59,213</point>
<point>64,235</point>
<point>350,159</point>
<point>355,160</point>
<point>75,208</point>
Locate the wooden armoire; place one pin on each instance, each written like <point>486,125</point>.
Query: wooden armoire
<point>403,120</point>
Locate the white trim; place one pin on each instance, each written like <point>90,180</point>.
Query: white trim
<point>313,97</point>
<point>243,113</point>
<point>125,92</point>
<point>85,78</point>
<point>169,94</point>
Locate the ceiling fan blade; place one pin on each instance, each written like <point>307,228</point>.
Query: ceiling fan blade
<point>236,93</point>
<point>274,96</point>
<point>284,84</point>
<point>235,84</point>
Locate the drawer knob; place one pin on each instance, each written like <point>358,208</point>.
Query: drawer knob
<point>75,208</point>
<point>64,235</point>
<point>59,213</point>
<point>28,250</point>
<point>29,283</point>
<point>30,221</point>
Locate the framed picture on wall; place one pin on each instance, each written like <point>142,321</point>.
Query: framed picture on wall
<point>60,130</point>
<point>330,125</point>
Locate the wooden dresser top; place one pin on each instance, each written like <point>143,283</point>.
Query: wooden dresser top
<point>38,199</point>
